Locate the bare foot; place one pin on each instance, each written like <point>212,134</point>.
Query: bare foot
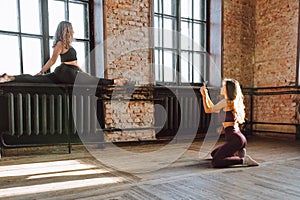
<point>3,75</point>
<point>6,78</point>
<point>248,161</point>
<point>3,80</point>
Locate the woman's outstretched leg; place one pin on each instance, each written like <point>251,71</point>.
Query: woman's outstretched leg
<point>27,78</point>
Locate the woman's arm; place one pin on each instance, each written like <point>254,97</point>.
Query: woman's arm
<point>56,51</point>
<point>208,105</point>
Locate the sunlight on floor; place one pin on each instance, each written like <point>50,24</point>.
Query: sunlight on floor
<point>44,167</point>
<point>60,170</point>
<point>50,187</point>
<point>73,173</point>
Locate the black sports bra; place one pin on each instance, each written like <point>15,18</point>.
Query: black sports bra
<point>229,116</point>
<point>70,55</point>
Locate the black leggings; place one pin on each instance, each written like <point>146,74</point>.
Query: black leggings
<point>62,74</point>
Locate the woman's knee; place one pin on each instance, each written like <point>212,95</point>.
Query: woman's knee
<point>213,153</point>
<point>217,162</point>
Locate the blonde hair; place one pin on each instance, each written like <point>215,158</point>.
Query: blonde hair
<point>235,99</point>
<point>64,33</point>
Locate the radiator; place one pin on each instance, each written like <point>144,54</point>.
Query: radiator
<point>43,114</point>
<point>183,111</point>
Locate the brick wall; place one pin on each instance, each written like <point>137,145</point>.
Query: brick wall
<point>275,61</point>
<point>239,40</point>
<point>127,53</point>
<point>260,50</point>
<point>126,24</point>
<point>260,42</point>
<point>276,43</point>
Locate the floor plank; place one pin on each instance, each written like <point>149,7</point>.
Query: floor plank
<point>30,174</point>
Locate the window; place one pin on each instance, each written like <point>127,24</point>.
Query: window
<point>27,28</point>
<point>180,41</point>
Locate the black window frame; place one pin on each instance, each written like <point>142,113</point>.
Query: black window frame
<point>45,36</point>
<point>204,76</point>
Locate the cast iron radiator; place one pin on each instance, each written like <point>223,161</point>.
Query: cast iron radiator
<point>36,115</point>
<point>49,114</point>
<point>182,108</point>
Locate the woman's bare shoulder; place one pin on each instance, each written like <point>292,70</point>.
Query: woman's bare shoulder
<point>221,104</point>
<point>58,45</point>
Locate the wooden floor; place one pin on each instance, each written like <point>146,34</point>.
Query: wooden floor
<point>55,174</point>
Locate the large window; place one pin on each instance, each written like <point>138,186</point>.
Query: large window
<point>180,41</point>
<point>27,28</point>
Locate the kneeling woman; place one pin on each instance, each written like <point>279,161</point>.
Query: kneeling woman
<point>68,70</point>
<point>234,109</point>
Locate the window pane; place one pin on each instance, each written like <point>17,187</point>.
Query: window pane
<point>169,7</point>
<point>9,15</point>
<point>203,35</point>
<point>186,35</point>
<point>30,16</point>
<point>157,32</point>
<point>197,8</point>
<point>203,69</point>
<point>169,33</point>
<point>56,15</point>
<point>32,57</point>
<point>186,9</point>
<point>157,4</point>
<point>169,66</point>
<point>185,68</point>
<point>158,65</point>
<point>9,49</point>
<point>200,67</point>
<point>197,65</point>
<point>200,9</point>
<point>82,59</point>
<point>199,37</point>
<point>77,18</point>
<point>198,46</point>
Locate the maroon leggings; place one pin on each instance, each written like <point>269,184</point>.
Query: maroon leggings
<point>223,155</point>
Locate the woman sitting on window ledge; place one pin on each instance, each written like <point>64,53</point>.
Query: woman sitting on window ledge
<point>68,70</point>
